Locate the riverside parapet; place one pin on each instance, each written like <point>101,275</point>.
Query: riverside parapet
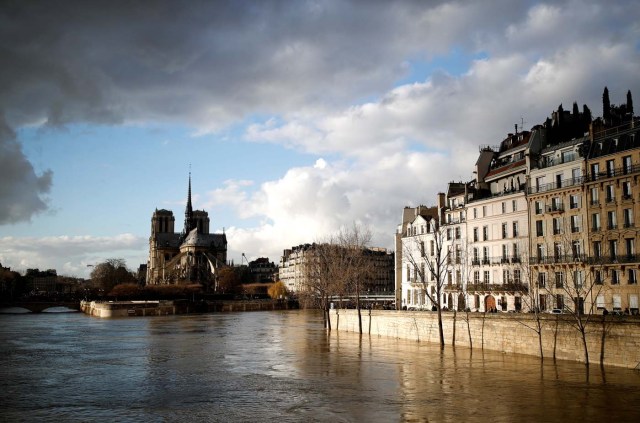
<point>507,333</point>
<point>108,309</point>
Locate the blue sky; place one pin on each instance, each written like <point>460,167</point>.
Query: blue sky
<point>295,118</point>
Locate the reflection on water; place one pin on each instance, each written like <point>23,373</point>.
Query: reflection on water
<point>281,365</point>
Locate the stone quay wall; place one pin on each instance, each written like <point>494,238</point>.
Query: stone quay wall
<point>508,333</point>
<point>108,309</point>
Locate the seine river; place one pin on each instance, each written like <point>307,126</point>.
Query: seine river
<point>281,366</point>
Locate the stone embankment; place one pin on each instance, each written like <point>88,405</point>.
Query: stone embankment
<point>508,333</point>
<point>162,308</point>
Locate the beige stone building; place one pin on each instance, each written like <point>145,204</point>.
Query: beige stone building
<point>294,273</point>
<point>613,191</point>
<point>557,216</point>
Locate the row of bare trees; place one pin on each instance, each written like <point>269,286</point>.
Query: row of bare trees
<point>337,267</point>
<point>577,287</point>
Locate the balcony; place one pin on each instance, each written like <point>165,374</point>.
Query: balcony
<point>556,185</point>
<point>489,287</point>
<point>611,173</point>
<point>560,258</point>
<point>555,208</point>
<point>613,259</point>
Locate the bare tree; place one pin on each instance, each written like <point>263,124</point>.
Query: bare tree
<point>354,263</point>
<point>431,265</point>
<point>320,275</point>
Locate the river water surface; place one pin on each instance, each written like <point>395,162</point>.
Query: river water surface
<point>281,366</point>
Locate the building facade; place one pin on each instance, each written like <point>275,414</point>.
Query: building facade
<point>190,256</point>
<point>548,223</point>
<point>295,263</point>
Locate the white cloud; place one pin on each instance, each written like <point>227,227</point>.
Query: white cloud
<point>71,255</point>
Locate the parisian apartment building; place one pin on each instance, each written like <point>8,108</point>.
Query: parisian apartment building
<point>295,261</point>
<point>547,223</point>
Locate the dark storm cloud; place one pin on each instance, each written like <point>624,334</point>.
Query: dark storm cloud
<point>21,190</point>
<point>208,63</point>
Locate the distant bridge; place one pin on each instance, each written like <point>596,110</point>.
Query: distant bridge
<point>40,306</point>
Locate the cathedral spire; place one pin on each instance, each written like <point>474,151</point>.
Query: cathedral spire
<point>188,213</point>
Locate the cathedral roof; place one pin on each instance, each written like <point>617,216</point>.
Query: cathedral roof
<point>166,239</point>
<point>196,239</point>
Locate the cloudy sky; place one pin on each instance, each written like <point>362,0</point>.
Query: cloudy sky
<point>295,117</point>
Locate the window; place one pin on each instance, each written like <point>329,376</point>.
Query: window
<point>617,302</point>
<point>476,257</point>
<point>484,211</point>
<point>578,279</point>
<point>504,207</point>
<point>600,302</point>
<point>628,217</point>
<point>575,175</point>
<point>475,234</point>
<point>597,249</point>
<point>632,277</point>
<point>516,253</point>
<point>449,234</point>
<point>539,207</point>
<point>597,277</point>
<point>595,222</point>
<point>611,194</point>
<point>611,167</point>
<point>475,213</point>
<point>557,251</point>
<point>633,303</point>
<point>408,273</point>
<point>556,204</point>
<point>560,301</point>
<point>556,226</point>
<point>542,280</point>
<point>505,277</point>
<point>504,230</point>
<point>613,249</point>
<point>457,232</point>
<point>575,223</point>
<point>559,279</point>
<point>631,249</point>
<point>486,277</point>
<point>540,252</point>
<point>476,277</point>
<point>505,253</point>
<point>626,165</point>
<point>595,197</point>
<point>574,201</point>
<point>576,249</point>
<point>612,223</point>
<point>449,277</point>
<point>514,205</point>
<point>539,228</point>
<point>539,183</point>
<point>485,233</point>
<point>595,171</point>
<point>516,276</point>
<point>485,255</point>
<point>515,229</point>
<point>559,180</point>
<point>431,248</point>
<point>626,190</point>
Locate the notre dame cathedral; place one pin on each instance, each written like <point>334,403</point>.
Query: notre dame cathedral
<point>190,256</point>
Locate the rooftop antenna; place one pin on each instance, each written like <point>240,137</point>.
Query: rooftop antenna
<point>522,122</point>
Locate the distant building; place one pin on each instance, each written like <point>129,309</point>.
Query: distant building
<point>293,274</point>
<point>190,256</point>
<point>262,270</point>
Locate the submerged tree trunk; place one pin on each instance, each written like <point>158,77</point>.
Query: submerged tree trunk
<point>453,336</point>
<point>602,339</point>
<point>358,307</point>
<point>440,329</point>
<point>469,331</point>
<point>583,332</point>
